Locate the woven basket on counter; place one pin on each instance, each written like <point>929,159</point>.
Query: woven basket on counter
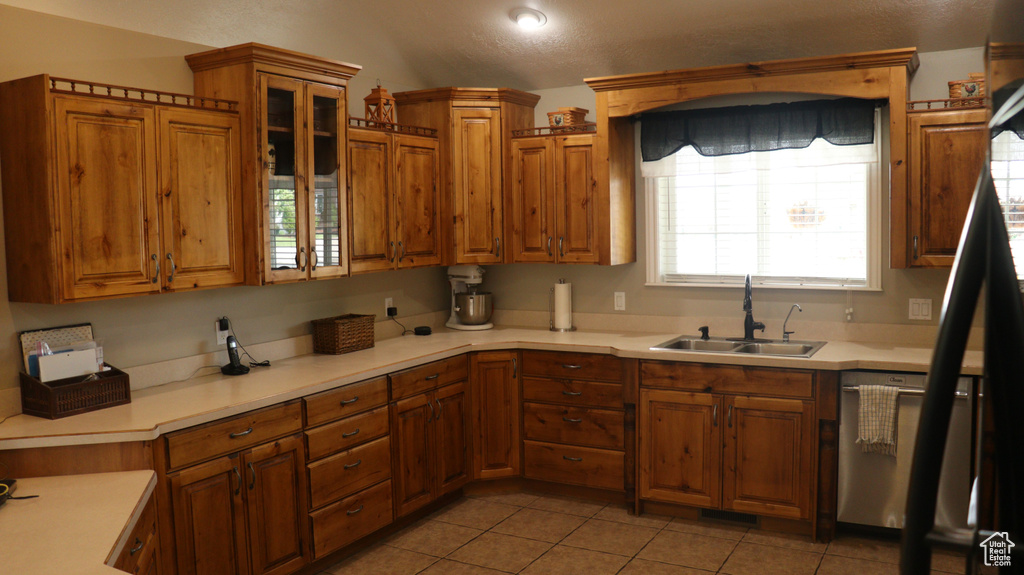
<point>343,333</point>
<point>74,395</point>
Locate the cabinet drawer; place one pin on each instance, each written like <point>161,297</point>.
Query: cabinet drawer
<point>345,401</point>
<point>761,381</point>
<point>427,377</point>
<point>334,437</point>
<point>349,471</point>
<point>572,392</point>
<point>573,425</point>
<point>574,465</point>
<point>141,543</point>
<point>341,523</point>
<point>232,434</point>
<point>572,365</point>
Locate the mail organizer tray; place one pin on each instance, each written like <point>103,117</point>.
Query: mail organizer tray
<point>71,396</point>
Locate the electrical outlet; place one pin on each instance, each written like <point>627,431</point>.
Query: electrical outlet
<point>388,302</point>
<point>620,301</point>
<point>920,309</point>
<point>222,334</point>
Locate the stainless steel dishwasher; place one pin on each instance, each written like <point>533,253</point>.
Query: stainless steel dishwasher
<point>872,486</point>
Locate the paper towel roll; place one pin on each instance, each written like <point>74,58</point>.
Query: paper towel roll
<point>563,306</point>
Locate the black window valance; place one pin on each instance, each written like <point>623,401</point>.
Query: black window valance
<point>742,129</point>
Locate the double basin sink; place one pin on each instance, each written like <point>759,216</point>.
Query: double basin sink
<point>755,347</point>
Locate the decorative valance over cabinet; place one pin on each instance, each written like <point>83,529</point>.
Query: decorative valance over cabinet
<point>871,75</point>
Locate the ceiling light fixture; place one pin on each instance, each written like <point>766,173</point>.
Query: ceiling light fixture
<point>528,18</point>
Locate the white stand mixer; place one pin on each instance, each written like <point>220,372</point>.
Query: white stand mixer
<point>471,310</point>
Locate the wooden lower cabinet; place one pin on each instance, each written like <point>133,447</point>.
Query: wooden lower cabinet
<point>243,513</point>
<point>141,555</point>
<point>495,379</point>
<point>430,453</point>
<point>345,521</point>
<point>574,465</point>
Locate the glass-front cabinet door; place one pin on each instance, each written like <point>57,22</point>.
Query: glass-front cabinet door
<point>328,236</point>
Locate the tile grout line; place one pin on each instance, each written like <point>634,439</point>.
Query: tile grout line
<point>566,536</point>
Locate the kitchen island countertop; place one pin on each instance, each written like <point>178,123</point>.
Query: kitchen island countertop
<point>165,408</point>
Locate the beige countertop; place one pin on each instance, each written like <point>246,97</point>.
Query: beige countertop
<point>165,408</point>
<point>76,526</point>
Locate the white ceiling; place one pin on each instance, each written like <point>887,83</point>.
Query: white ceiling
<point>424,43</point>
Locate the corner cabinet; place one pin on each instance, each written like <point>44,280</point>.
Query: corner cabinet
<point>474,127</point>
<point>112,192</point>
<point>494,379</point>
<point>394,198</point>
<point>553,215</point>
<point>947,150</point>
<point>294,124</point>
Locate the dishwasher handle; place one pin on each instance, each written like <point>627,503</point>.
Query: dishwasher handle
<point>907,391</point>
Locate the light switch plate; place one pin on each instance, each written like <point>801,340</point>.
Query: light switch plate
<point>620,301</point>
<point>920,309</point>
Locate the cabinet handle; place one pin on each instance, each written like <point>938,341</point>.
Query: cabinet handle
<point>354,511</point>
<point>392,258</point>
<point>439,410</point>
<point>137,548</point>
<point>497,247</point>
<point>241,433</point>
<point>572,366</point>
<point>315,260</point>
<point>350,401</point>
<point>572,393</point>
<point>714,415</point>
<point>431,406</point>
<point>567,458</point>
<point>356,464</point>
<point>302,252</point>
<point>915,247</point>
<point>515,367</point>
<point>432,377</point>
<point>253,472</point>
<point>350,434</point>
<point>401,251</point>
<point>572,420</point>
<point>239,476</point>
<point>728,416</point>
<point>174,268</point>
<point>549,246</point>
<point>561,247</point>
<point>156,276</point>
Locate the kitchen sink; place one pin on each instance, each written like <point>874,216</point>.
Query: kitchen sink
<point>760,347</point>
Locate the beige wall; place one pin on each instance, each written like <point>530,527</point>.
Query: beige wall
<point>146,329</point>
<point>525,287</point>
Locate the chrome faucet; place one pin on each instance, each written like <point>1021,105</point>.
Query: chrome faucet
<point>785,334</point>
<point>749,325</point>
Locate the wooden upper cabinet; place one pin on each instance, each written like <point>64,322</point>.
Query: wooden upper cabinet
<point>113,196</point>
<point>553,204</point>
<point>474,127</point>
<point>947,153</point>
<point>201,227</point>
<point>294,121</point>
<point>394,204</point>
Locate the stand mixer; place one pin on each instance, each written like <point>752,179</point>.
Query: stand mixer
<point>471,308</point>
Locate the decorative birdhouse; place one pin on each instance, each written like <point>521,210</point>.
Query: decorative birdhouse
<point>380,106</point>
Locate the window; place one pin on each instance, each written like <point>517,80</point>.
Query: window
<point>1008,176</point>
<point>805,217</point>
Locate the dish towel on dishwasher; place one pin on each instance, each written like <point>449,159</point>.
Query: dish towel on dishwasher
<point>876,426</point>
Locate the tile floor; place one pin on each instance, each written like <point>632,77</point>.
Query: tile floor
<point>546,535</point>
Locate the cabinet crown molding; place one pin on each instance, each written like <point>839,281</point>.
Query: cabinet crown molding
<point>510,95</point>
<point>261,54</point>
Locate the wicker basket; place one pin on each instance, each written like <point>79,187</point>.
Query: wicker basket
<point>74,395</point>
<point>973,87</point>
<point>343,333</point>
<point>570,116</point>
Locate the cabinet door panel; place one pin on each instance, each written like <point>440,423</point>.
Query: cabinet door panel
<point>768,450</point>
<point>680,447</point>
<point>106,158</point>
<point>370,219</point>
<point>452,441</point>
<point>327,202</point>
<point>277,506</point>
<point>413,438</point>
<point>201,199</point>
<point>575,208</point>
<point>418,201</point>
<point>476,148</point>
<point>494,377</point>
<point>209,518</point>
<point>533,200</point>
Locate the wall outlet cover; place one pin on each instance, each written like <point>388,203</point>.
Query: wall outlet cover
<point>620,301</point>
<point>920,309</point>
<point>222,334</point>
